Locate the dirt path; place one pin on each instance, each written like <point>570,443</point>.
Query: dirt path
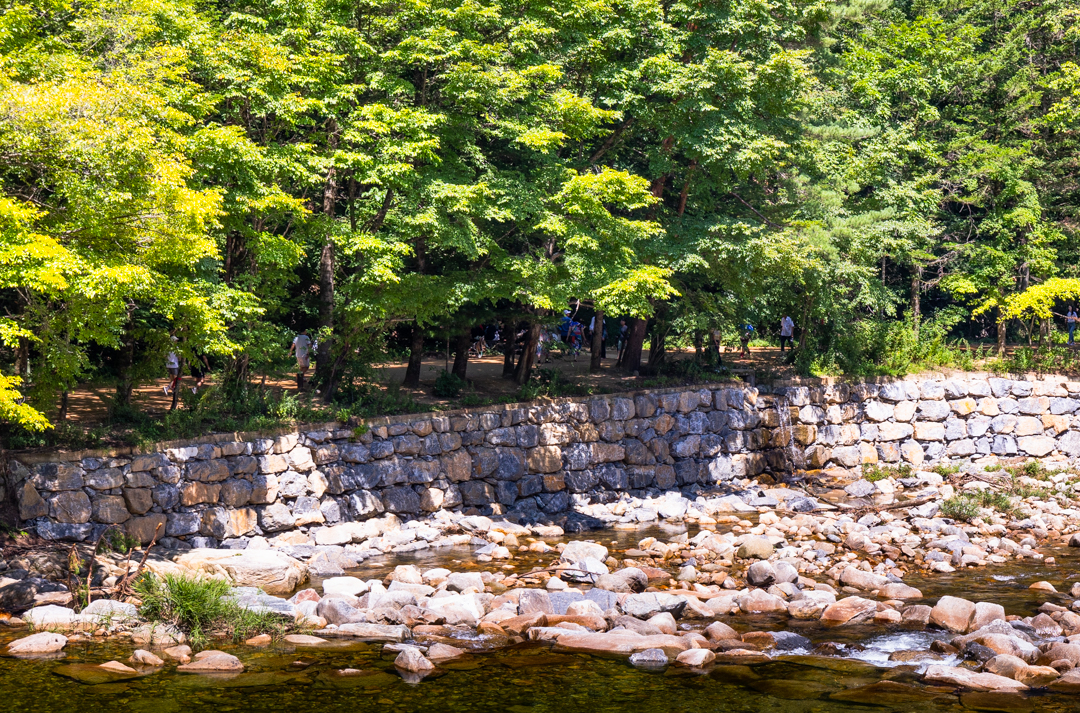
<point>90,403</point>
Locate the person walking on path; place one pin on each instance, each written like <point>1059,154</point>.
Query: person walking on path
<point>744,340</point>
<point>199,366</point>
<point>717,337</point>
<point>624,332</point>
<point>1071,318</point>
<point>172,364</point>
<point>301,344</point>
<point>787,331</point>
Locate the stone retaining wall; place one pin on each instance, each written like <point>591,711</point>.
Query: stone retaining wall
<point>536,461</point>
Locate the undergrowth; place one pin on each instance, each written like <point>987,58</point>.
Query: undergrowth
<point>201,608</point>
<point>552,383</point>
<point>874,472</point>
<point>960,507</point>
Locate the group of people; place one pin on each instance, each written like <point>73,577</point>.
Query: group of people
<point>746,335</point>
<point>199,367</point>
<point>569,331</point>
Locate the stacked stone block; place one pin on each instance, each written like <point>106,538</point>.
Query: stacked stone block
<point>539,461</point>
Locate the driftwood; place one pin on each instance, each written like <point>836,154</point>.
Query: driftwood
<point>124,585</point>
<point>891,506</point>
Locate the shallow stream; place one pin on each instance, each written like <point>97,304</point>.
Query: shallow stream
<point>858,675</point>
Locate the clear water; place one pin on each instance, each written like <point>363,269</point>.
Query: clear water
<point>858,675</point>
<point>527,679</point>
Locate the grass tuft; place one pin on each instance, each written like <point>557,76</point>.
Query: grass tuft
<point>201,607</point>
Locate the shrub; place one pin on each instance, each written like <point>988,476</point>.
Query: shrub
<point>116,540</point>
<point>449,385</point>
<point>991,499</point>
<point>551,383</point>
<point>946,470</point>
<point>960,507</point>
<point>200,606</point>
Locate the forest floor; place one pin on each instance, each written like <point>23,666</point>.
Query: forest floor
<point>90,403</point>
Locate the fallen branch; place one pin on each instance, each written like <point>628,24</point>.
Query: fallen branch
<point>893,506</point>
<point>124,585</point>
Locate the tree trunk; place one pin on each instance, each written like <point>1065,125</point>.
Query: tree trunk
<point>326,262</point>
<point>22,360</point>
<point>1001,327</point>
<point>461,353</point>
<point>635,340</point>
<point>595,362</point>
<point>510,332</point>
<point>416,355</point>
<point>657,350</point>
<point>528,356</point>
<point>916,284</point>
<point>63,405</point>
<point>804,325</point>
<point>699,352</point>
<point>126,383</point>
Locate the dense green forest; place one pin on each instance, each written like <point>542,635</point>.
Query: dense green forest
<point>895,176</point>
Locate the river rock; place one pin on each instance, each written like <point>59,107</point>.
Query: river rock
<point>648,604</point>
<point>719,631</point>
<point>577,551</point>
<point>1061,650</point>
<point>212,662</point>
<point>272,571</point>
<point>755,548</point>
<point>759,601</point>
<point>110,609</point>
<point>760,574</point>
<point>534,600</point>
<point>142,657</point>
<point>665,623</point>
<point>410,659</point>
<point>621,642</point>
<point>350,586</point>
<point>860,579</point>
<point>1005,665</point>
<point>649,657</point>
<point>462,581</point>
<point>899,590</point>
<point>54,618</point>
<point>304,640</point>
<point>954,614</point>
<point>967,678</point>
<point>43,643</point>
<point>849,610</point>
<point>1068,683</point>
<point>985,613</point>
<point>117,667</point>
<point>22,594</point>
<point>695,658</point>
<point>180,653</point>
<point>370,632</point>
<point>444,652</point>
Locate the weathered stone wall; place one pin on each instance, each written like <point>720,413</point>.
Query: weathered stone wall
<point>535,461</point>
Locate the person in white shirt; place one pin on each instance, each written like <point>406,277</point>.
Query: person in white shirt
<point>172,363</point>
<point>787,331</point>
<point>301,344</point>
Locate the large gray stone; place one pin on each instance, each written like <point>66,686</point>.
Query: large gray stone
<point>71,507</point>
<point>401,500</point>
<point>275,518</point>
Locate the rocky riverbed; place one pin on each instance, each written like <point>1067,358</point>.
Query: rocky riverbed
<point>740,577</point>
